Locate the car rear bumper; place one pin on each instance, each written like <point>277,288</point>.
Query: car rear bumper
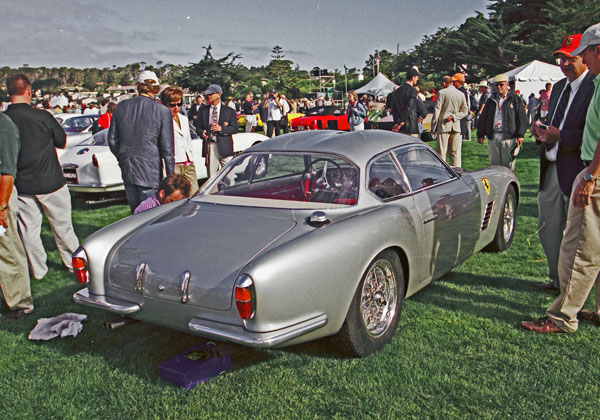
<point>95,188</point>
<point>239,335</point>
<point>118,306</point>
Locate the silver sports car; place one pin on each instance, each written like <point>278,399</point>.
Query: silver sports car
<point>303,236</point>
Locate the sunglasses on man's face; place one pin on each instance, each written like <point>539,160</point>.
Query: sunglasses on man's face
<point>174,104</point>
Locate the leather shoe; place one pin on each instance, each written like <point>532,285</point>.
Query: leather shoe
<point>589,316</point>
<point>552,285</point>
<point>542,325</point>
<point>17,315</point>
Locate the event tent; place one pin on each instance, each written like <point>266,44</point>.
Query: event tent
<point>379,87</point>
<point>532,77</point>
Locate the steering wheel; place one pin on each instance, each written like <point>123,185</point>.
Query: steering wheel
<point>311,184</point>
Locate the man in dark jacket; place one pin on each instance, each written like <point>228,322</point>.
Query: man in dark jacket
<point>560,151</point>
<point>404,105</point>
<point>504,122</point>
<point>216,125</point>
<point>141,137</point>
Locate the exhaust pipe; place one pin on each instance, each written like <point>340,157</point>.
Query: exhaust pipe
<point>113,324</point>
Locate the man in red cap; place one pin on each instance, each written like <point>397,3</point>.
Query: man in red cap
<point>560,150</point>
<point>579,261</point>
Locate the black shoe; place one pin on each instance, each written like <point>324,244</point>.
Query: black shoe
<point>16,316</point>
<point>552,285</point>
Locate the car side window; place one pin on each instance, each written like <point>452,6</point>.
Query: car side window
<point>385,180</point>
<point>422,167</point>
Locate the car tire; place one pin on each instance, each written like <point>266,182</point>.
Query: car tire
<point>505,230</point>
<point>375,309</point>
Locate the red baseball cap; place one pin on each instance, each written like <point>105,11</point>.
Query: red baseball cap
<point>568,45</point>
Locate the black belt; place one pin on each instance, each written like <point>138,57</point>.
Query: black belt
<point>587,163</point>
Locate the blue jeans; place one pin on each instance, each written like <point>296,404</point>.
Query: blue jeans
<point>136,194</point>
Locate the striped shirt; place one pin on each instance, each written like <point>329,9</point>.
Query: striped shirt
<point>147,204</point>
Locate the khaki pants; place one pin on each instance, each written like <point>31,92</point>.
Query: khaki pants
<point>454,140</point>
<point>14,277</point>
<point>579,262</point>
<point>214,161</point>
<point>57,207</point>
<point>189,171</point>
<point>499,151</point>
<point>552,206</point>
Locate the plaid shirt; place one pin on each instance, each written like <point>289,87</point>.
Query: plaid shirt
<point>147,204</point>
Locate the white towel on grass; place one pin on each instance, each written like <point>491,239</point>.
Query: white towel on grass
<point>64,325</point>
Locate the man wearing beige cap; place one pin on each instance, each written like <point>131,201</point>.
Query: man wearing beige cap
<point>504,122</point>
<point>450,107</point>
<point>579,261</point>
<point>141,137</point>
<point>560,150</point>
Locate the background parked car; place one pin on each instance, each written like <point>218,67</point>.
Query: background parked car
<point>321,118</point>
<point>90,167</point>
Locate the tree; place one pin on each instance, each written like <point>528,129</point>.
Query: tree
<point>223,71</point>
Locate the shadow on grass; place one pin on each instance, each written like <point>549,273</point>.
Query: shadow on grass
<point>137,348</point>
<point>457,292</point>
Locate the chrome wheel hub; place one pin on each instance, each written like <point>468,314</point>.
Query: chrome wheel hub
<point>508,223</point>
<point>378,298</point>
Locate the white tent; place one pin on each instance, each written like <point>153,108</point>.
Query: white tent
<point>380,86</point>
<point>532,77</point>
<point>59,100</point>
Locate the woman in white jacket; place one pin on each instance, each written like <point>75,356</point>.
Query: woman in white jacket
<point>184,163</point>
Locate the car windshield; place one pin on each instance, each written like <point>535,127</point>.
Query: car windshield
<point>77,124</point>
<point>324,110</point>
<point>290,177</point>
<point>99,139</point>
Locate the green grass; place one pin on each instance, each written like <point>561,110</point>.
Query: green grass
<point>458,353</point>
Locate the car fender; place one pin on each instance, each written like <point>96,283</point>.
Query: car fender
<point>297,280</point>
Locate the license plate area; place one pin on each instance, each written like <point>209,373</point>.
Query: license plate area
<point>70,175</point>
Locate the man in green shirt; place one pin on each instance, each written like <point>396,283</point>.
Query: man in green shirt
<point>579,261</point>
<point>14,277</point>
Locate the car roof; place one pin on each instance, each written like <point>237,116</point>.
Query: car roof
<point>359,146</point>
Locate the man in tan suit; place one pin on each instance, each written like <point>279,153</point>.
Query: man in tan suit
<point>450,107</point>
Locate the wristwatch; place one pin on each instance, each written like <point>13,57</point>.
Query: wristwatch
<point>589,177</point>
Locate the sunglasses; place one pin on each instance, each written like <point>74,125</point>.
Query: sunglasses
<point>173,105</point>
<point>500,84</point>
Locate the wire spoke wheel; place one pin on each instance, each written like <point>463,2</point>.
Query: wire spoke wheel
<point>508,222</point>
<point>375,309</point>
<point>378,298</point>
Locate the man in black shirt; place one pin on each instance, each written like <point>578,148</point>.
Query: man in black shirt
<point>248,109</point>
<point>39,181</point>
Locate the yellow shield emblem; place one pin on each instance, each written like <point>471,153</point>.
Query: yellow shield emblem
<point>486,185</point>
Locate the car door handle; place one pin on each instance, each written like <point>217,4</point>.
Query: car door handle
<point>430,219</point>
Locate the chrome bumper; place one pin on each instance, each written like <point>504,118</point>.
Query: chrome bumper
<point>239,335</point>
<point>118,306</point>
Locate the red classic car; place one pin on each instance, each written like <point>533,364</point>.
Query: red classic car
<point>321,118</point>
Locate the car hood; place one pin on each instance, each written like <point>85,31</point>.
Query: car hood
<point>211,242</point>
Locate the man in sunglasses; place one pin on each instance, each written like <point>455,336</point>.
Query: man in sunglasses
<point>141,137</point>
<point>560,150</point>
<point>504,122</point>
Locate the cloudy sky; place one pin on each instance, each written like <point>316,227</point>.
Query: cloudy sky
<point>328,34</point>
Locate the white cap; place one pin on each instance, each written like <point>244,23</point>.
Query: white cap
<point>591,36</point>
<point>147,75</point>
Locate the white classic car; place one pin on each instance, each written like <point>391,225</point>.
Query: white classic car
<point>90,167</point>
<point>77,128</point>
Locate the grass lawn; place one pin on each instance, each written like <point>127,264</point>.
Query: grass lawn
<point>458,353</point>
